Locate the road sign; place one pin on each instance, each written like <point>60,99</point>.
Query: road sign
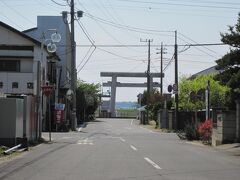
<point>47,89</point>
<point>170,88</point>
<point>175,87</point>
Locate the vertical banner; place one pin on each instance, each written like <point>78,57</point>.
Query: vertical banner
<point>59,112</point>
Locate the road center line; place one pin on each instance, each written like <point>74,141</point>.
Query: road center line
<point>152,163</point>
<point>134,148</point>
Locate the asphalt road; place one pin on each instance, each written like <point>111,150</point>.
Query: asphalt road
<point>120,149</point>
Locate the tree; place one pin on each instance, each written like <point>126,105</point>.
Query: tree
<point>156,102</point>
<point>87,96</point>
<point>218,92</point>
<point>229,64</point>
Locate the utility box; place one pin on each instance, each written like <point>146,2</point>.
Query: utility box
<point>11,121</point>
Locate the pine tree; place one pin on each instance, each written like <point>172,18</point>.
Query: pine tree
<point>229,64</point>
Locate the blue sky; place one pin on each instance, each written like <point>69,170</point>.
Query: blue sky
<point>125,22</point>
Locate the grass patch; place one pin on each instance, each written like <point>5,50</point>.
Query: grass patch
<point>152,125</point>
<point>126,112</point>
<point>2,149</point>
<point>4,157</point>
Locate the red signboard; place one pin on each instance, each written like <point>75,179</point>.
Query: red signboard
<point>59,114</point>
<point>47,90</point>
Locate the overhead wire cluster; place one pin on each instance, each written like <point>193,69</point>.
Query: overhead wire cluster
<point>107,7</point>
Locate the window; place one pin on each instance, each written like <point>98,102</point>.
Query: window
<point>10,65</point>
<point>15,85</point>
<point>30,85</point>
<point>1,84</point>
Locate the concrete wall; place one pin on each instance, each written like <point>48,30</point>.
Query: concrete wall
<point>11,120</point>
<point>163,120</point>
<point>17,118</point>
<point>224,130</point>
<point>171,120</point>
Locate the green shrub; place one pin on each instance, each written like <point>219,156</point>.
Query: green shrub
<point>191,131</point>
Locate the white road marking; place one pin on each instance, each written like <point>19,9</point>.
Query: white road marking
<point>134,148</point>
<point>123,140</point>
<point>152,163</point>
<point>147,130</point>
<point>85,142</point>
<point>195,143</point>
<point>132,122</point>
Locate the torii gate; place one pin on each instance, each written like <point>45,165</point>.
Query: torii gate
<point>114,84</point>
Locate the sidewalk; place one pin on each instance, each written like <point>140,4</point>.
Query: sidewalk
<point>233,149</point>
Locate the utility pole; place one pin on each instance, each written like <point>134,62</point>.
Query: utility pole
<point>161,64</point>
<point>73,59</point>
<point>73,67</point>
<point>161,67</point>
<point>207,99</point>
<point>176,80</point>
<point>148,77</point>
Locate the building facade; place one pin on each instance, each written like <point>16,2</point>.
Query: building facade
<point>23,70</point>
<point>46,25</point>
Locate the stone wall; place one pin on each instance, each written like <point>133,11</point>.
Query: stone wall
<point>224,127</point>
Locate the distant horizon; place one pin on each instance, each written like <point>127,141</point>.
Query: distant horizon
<point>126,105</point>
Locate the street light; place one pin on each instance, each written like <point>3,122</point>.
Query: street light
<point>51,47</point>
<point>56,37</point>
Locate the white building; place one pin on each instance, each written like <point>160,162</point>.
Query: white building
<point>45,25</point>
<point>23,70</point>
<point>20,56</point>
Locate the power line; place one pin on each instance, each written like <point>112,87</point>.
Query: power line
<point>92,43</point>
<point>207,2</point>
<point>12,21</point>
<point>168,64</point>
<point>154,45</point>
<point>59,3</point>
<point>181,4</point>
<point>109,34</point>
<point>114,54</point>
<point>196,46</point>
<point>196,42</point>
<point>24,17</point>
<point>130,28</point>
<point>118,19</point>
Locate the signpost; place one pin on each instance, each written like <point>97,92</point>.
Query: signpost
<point>47,90</point>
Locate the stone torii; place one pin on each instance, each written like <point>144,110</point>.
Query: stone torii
<point>114,84</point>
